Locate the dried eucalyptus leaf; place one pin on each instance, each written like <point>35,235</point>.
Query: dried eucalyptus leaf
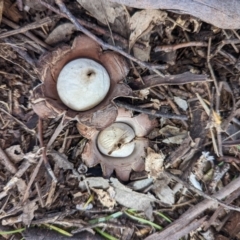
<point>61,33</point>
<point>154,163</point>
<point>163,192</point>
<point>130,199</point>
<point>108,13</point>
<point>105,198</point>
<point>181,103</point>
<point>94,182</point>
<point>142,22</point>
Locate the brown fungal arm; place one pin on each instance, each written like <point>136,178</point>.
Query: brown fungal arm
<point>221,13</point>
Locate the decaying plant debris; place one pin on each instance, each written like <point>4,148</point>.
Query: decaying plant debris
<point>183,78</point>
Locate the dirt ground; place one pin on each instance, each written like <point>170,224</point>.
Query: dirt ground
<point>174,80</point>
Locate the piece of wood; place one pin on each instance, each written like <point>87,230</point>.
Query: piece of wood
<point>220,13</point>
<point>195,211</point>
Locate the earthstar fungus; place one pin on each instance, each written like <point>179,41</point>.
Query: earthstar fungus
<point>122,165</point>
<point>46,101</point>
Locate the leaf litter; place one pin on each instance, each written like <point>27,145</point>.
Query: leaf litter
<point>193,153</point>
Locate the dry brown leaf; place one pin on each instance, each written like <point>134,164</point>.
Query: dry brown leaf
<point>35,4</point>
<point>28,212</point>
<point>61,33</point>
<point>94,182</point>
<point>143,22</point>
<point>11,11</point>
<point>154,163</point>
<point>143,94</point>
<point>174,135</point>
<point>163,192</point>
<point>156,103</point>
<point>105,197</point>
<point>142,54</point>
<point>21,186</point>
<point>140,185</point>
<point>108,13</point>
<point>130,199</point>
<point>181,103</point>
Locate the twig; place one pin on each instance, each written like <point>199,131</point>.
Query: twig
<point>6,162</point>
<point>57,131</point>
<point>228,37</point>
<point>102,43</point>
<point>172,104</point>
<point>188,186</point>
<point>28,34</point>
<point>218,128</point>
<point>235,33</point>
<point>229,199</point>
<point>192,226</point>
<point>21,52</point>
<point>196,210</point>
<point>188,39</point>
<point>149,112</point>
<point>171,48</point>
<point>33,176</point>
<point>32,132</point>
<point>26,28</point>
<point>94,27</point>
<point>210,66</point>
<point>229,159</point>
<point>222,44</point>
<point>39,194</point>
<point>44,153</point>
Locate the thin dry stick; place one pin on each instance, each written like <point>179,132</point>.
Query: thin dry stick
<point>218,127</point>
<point>26,28</point>
<point>171,48</point>
<point>196,210</point>
<point>44,153</point>
<point>187,37</point>
<point>57,131</point>
<point>33,176</point>
<point>32,132</point>
<point>222,44</point>
<point>6,162</point>
<point>21,52</point>
<point>28,34</point>
<point>39,194</point>
<point>102,43</point>
<point>210,66</point>
<point>229,199</point>
<point>185,184</point>
<point>12,182</point>
<point>235,33</point>
<point>150,112</point>
<point>192,226</point>
<point>228,37</point>
<point>172,104</point>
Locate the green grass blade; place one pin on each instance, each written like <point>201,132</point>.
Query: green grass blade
<point>104,234</point>
<point>12,231</point>
<point>59,230</point>
<point>144,221</point>
<point>164,217</point>
<point>104,219</point>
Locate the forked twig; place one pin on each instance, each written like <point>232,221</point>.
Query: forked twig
<point>102,43</point>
